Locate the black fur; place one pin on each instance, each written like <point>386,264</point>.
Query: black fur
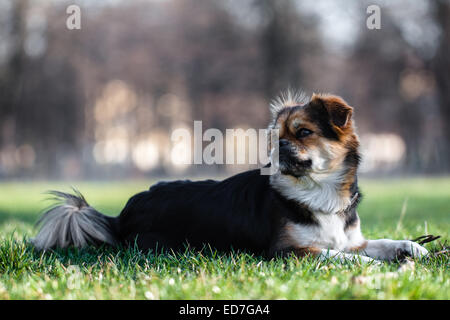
<point>242,212</point>
<point>350,214</point>
<point>317,112</point>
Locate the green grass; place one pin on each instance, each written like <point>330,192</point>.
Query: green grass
<point>128,274</point>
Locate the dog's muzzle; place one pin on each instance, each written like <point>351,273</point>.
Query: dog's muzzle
<point>290,164</point>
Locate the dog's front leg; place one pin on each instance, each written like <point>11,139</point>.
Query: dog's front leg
<point>326,254</point>
<point>387,249</point>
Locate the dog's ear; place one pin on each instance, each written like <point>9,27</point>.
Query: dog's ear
<point>339,111</point>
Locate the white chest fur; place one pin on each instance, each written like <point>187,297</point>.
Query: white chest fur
<point>328,233</point>
<point>318,192</point>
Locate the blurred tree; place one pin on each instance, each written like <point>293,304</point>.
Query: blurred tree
<point>285,40</point>
<point>391,86</point>
<point>40,101</point>
<point>210,60</point>
<point>12,72</point>
<point>441,68</point>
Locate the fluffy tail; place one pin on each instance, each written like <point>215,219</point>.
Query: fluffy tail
<point>73,222</point>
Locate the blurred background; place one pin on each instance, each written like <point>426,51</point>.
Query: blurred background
<point>101,102</point>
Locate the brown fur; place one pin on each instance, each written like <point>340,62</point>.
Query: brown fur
<point>287,243</point>
<point>302,252</point>
<point>339,110</point>
<point>359,248</point>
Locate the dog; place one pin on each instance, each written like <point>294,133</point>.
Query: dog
<point>308,207</point>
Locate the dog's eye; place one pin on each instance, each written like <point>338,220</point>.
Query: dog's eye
<point>303,132</point>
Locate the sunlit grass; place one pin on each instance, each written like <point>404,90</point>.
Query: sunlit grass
<point>128,274</point>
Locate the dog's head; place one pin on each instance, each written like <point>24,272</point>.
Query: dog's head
<point>317,137</point>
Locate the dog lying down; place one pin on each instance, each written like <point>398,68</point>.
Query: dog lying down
<point>308,207</point>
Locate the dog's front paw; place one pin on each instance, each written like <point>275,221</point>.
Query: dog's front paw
<point>387,249</point>
<point>411,249</point>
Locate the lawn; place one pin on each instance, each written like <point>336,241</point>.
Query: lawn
<point>398,209</point>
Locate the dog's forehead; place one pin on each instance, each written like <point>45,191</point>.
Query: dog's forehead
<point>298,116</point>
<point>293,116</point>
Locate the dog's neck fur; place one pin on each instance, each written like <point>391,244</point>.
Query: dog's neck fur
<point>319,192</point>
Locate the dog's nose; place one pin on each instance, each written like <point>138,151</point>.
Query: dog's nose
<point>283,143</point>
<point>306,163</point>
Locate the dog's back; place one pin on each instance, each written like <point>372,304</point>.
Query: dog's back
<point>218,213</point>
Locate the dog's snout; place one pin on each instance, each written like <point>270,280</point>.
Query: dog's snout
<point>306,163</point>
